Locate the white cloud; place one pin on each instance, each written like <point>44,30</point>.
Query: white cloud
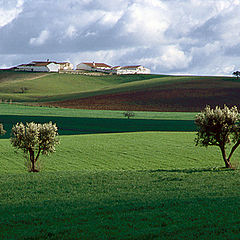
<point>174,58</point>
<point>109,19</point>
<point>146,20</point>
<point>168,58</point>
<point>166,35</point>
<point>41,39</point>
<point>9,10</point>
<point>71,31</point>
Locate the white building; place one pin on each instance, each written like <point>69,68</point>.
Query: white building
<point>95,67</point>
<point>138,69</point>
<point>65,65</point>
<point>37,66</point>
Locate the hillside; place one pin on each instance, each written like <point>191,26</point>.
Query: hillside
<point>126,92</point>
<point>179,95</point>
<point>54,86</point>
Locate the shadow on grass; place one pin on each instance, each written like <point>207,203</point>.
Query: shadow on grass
<point>194,170</point>
<point>76,125</point>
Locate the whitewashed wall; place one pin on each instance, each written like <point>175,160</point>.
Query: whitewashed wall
<point>53,67</point>
<point>83,66</point>
<point>33,68</point>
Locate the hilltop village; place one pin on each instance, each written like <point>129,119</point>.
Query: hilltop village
<point>84,67</point>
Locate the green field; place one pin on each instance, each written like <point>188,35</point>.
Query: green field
<point>19,109</point>
<point>120,186</point>
<point>56,87</point>
<point>141,178</point>
<point>74,121</point>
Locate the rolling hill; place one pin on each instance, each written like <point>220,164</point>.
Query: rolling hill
<point>126,92</point>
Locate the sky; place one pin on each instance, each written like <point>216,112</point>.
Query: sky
<point>198,37</point>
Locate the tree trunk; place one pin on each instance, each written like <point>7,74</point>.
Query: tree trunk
<point>228,164</point>
<point>226,161</point>
<point>31,152</point>
<point>233,149</point>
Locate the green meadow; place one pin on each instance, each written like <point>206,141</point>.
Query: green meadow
<point>120,186</point>
<point>56,87</point>
<point>136,184</point>
<point>76,121</point>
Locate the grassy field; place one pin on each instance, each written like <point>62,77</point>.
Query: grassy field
<point>147,182</point>
<point>122,151</point>
<point>73,121</point>
<point>18,109</point>
<point>56,87</point>
<point>11,76</point>
<point>120,186</point>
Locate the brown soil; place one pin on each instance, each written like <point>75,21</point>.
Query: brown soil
<point>184,97</point>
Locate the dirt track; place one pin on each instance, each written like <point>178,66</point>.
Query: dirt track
<point>178,97</point>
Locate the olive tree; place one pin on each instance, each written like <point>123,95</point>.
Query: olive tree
<point>129,114</point>
<point>237,74</point>
<point>219,127</point>
<point>34,139</point>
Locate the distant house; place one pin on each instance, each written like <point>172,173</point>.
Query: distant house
<point>138,69</point>
<point>65,65</point>
<point>38,66</point>
<point>96,67</point>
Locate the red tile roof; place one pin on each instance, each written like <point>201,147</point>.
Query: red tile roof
<point>39,64</point>
<point>131,66</point>
<point>96,65</point>
<point>62,62</point>
<point>36,64</point>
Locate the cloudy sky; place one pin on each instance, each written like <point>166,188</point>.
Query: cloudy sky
<point>168,36</point>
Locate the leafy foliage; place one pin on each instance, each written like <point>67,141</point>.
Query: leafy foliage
<point>129,114</point>
<point>35,138</point>
<point>219,127</point>
<point>237,74</point>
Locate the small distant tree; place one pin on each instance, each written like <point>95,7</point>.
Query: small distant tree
<point>219,127</point>
<point>237,74</point>
<point>34,139</point>
<point>128,114</point>
<point>23,89</point>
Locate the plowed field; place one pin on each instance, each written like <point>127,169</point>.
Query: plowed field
<point>188,96</point>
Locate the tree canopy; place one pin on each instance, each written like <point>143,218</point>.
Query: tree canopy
<point>237,74</point>
<point>35,139</point>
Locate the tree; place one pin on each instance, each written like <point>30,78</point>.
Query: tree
<point>237,74</point>
<point>34,139</point>
<point>219,127</point>
<point>128,114</point>
<point>23,89</point>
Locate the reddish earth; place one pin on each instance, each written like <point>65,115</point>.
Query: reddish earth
<point>193,96</point>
